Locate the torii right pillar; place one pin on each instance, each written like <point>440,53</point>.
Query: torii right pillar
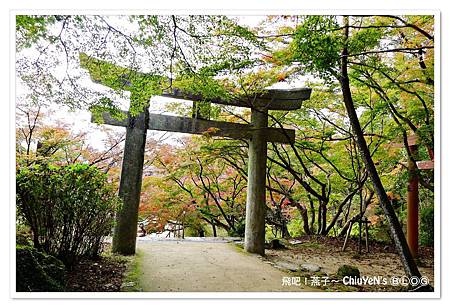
<point>260,104</point>
<point>255,212</point>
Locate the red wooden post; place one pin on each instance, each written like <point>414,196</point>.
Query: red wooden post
<point>413,193</point>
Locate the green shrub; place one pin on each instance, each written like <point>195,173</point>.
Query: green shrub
<point>427,226</point>
<point>69,209</point>
<point>23,235</point>
<point>38,272</point>
<point>239,229</point>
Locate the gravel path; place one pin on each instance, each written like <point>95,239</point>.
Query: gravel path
<point>189,266</point>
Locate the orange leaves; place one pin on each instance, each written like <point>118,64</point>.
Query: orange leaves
<point>393,196</point>
<point>281,76</point>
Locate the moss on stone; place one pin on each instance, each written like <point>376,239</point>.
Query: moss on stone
<point>348,271</point>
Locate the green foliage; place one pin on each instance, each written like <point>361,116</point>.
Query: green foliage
<point>38,272</point>
<point>69,209</point>
<point>316,34</point>
<point>23,235</point>
<point>214,57</point>
<point>295,226</point>
<point>30,28</point>
<point>380,232</point>
<point>240,229</point>
<point>426,236</point>
<point>166,47</point>
<point>105,104</point>
<point>142,86</point>
<point>206,86</point>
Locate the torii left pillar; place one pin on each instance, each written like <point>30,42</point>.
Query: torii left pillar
<point>124,239</point>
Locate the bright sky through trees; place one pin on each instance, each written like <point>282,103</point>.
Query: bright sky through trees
<point>80,120</point>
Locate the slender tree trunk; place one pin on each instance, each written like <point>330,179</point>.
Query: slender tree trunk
<point>323,231</point>
<point>319,218</point>
<point>285,231</point>
<point>304,214</point>
<point>313,214</point>
<point>348,209</point>
<point>214,230</point>
<point>394,225</point>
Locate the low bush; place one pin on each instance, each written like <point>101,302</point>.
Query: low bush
<point>69,209</point>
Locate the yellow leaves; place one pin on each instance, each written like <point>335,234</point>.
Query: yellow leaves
<point>276,59</point>
<point>53,133</point>
<point>211,131</point>
<point>270,59</point>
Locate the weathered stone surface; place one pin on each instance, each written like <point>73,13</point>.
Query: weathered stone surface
<point>273,99</point>
<point>124,240</point>
<point>255,210</point>
<point>286,266</point>
<point>309,267</point>
<point>187,125</point>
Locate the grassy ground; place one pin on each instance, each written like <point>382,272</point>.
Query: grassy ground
<point>132,276</point>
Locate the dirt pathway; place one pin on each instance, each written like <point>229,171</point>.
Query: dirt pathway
<point>171,266</point>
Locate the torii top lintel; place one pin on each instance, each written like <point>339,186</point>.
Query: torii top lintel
<point>272,99</point>
<point>117,77</point>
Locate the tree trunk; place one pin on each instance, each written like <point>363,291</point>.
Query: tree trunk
<point>323,230</point>
<point>214,230</point>
<point>304,213</point>
<point>284,231</point>
<point>319,219</point>
<point>313,213</point>
<point>347,199</point>
<point>394,225</point>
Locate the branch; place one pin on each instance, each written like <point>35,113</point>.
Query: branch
<point>413,50</point>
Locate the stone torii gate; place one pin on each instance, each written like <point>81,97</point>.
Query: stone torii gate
<point>257,132</point>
